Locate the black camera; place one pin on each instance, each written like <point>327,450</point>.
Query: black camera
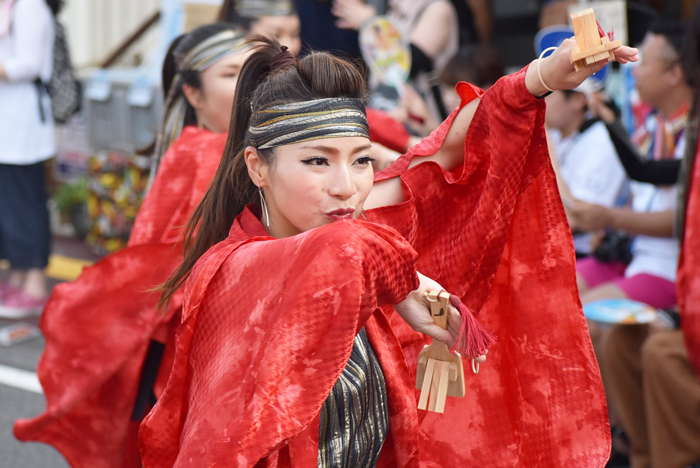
<point>616,246</point>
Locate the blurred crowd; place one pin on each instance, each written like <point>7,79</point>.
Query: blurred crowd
<point>623,182</point>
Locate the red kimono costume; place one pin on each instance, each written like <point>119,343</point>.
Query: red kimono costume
<point>688,285</point>
<point>98,327</point>
<point>268,325</point>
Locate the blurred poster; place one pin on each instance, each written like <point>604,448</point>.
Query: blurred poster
<point>199,14</point>
<point>611,14</point>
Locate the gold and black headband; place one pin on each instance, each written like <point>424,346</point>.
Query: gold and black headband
<point>285,124</point>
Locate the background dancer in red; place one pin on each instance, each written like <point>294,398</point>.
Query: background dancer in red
<point>104,336</point>
<point>284,305</point>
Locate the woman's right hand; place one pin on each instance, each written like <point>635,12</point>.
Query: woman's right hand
<point>415,310</point>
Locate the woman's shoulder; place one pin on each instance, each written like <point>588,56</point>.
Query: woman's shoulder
<point>192,146</point>
<point>193,139</point>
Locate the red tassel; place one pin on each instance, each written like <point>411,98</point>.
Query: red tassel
<point>473,339</point>
<point>611,34</point>
<point>600,30</point>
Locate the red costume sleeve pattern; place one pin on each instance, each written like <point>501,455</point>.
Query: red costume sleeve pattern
<point>183,178</point>
<point>688,284</point>
<point>268,326</point>
<point>494,232</point>
<point>98,327</point>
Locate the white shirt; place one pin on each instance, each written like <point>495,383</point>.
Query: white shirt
<point>26,53</point>
<point>656,256</point>
<point>591,169</point>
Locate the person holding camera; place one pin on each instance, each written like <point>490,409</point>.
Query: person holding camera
<point>650,276</point>
<point>651,371</point>
<point>586,156</point>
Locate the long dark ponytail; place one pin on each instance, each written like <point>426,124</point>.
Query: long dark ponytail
<point>265,81</point>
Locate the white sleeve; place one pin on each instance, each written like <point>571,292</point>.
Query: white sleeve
<point>30,25</point>
<point>599,177</point>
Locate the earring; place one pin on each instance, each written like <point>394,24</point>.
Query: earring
<point>264,207</point>
<point>362,212</point>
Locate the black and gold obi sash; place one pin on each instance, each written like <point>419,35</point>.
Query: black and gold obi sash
<point>355,416</point>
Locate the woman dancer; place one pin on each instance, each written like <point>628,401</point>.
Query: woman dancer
<point>271,18</point>
<point>104,336</point>
<point>290,353</point>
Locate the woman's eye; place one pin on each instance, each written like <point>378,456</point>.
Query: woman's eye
<point>365,160</point>
<point>316,161</point>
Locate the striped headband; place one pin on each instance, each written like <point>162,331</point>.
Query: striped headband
<point>200,58</point>
<point>259,8</point>
<point>285,124</point>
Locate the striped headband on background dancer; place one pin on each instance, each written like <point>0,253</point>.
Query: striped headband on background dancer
<point>304,121</point>
<point>200,58</point>
<point>259,8</point>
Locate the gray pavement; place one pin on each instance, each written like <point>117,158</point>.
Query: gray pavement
<point>16,403</point>
<point>14,454</point>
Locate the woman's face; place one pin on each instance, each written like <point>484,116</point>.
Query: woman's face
<point>286,29</point>
<point>214,101</point>
<point>313,183</point>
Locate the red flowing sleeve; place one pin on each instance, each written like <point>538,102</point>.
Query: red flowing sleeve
<point>184,175</point>
<point>689,271</point>
<point>98,328</point>
<point>268,327</point>
<point>494,232</point>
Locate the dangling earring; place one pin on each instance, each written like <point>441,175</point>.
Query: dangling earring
<point>362,212</point>
<point>264,207</point>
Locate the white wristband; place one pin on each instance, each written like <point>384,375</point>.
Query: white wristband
<point>539,71</point>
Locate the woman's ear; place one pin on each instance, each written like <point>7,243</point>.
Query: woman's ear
<point>677,74</point>
<point>257,169</point>
<point>193,96</point>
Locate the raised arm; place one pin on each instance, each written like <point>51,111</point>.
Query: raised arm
<point>555,72</point>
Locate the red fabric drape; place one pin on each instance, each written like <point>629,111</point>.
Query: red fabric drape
<point>688,284</point>
<point>98,327</point>
<point>493,232</point>
<point>386,130</point>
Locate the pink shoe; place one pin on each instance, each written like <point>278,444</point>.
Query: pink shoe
<point>6,290</point>
<point>19,304</point>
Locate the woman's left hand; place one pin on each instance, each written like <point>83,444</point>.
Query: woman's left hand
<point>559,73</point>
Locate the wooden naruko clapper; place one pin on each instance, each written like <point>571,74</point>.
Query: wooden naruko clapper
<point>440,373</point>
<point>590,47</point>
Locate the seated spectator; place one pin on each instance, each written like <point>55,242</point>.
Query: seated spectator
<point>652,371</point>
<point>271,18</point>
<point>586,156</point>
<point>663,84</point>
